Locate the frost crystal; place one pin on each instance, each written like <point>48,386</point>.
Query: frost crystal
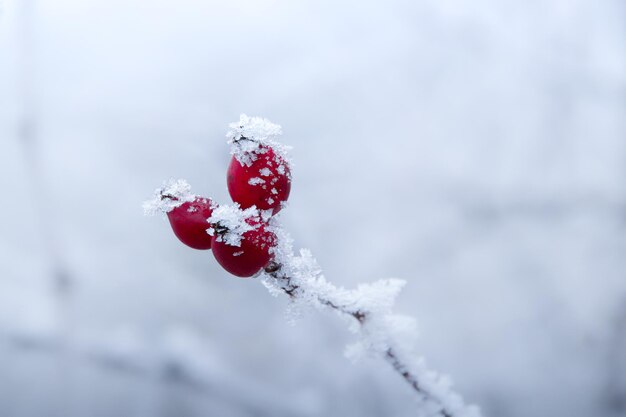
<point>172,194</point>
<point>256,181</point>
<point>230,223</point>
<point>251,136</point>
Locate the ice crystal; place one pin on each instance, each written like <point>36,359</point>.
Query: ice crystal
<point>256,181</point>
<point>230,222</point>
<point>252,136</point>
<point>172,194</point>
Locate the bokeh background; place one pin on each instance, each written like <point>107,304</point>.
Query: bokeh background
<point>475,149</point>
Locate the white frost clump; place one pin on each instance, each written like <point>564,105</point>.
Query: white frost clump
<point>305,273</point>
<point>229,222</point>
<point>256,181</point>
<point>251,136</point>
<point>172,194</point>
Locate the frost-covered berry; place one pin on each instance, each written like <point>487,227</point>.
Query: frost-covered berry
<point>187,212</point>
<point>261,178</point>
<point>189,222</point>
<point>242,243</point>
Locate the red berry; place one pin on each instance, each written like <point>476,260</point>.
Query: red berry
<point>252,254</point>
<point>265,183</point>
<point>189,222</point>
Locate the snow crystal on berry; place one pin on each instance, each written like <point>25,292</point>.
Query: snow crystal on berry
<point>251,136</point>
<point>256,181</point>
<point>172,194</point>
<point>266,215</point>
<point>229,223</point>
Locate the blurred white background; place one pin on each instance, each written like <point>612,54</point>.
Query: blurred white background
<point>475,149</point>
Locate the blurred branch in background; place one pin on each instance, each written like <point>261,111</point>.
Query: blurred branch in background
<point>179,358</point>
<point>616,372</point>
<point>29,137</point>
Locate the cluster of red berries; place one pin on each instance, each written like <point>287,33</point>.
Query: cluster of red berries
<point>259,179</point>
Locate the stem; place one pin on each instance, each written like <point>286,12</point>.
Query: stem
<point>242,139</point>
<point>220,229</point>
<point>168,197</point>
<point>392,358</point>
<point>274,270</point>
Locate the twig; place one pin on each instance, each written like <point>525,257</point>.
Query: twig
<point>287,285</point>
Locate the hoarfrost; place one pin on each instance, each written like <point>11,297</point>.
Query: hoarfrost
<point>229,223</point>
<point>256,181</point>
<point>266,172</point>
<point>172,194</point>
<point>251,136</point>
<point>368,310</point>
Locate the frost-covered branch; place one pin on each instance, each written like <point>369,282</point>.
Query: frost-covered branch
<point>368,310</point>
<point>247,239</point>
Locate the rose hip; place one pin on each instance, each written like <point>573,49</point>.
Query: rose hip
<point>265,182</point>
<point>189,222</point>
<point>253,253</point>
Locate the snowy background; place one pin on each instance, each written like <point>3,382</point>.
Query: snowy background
<point>475,149</point>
